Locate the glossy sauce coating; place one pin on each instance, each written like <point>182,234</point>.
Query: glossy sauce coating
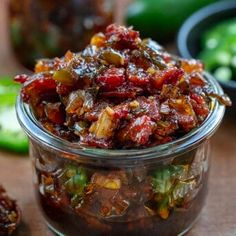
<point>119,92</point>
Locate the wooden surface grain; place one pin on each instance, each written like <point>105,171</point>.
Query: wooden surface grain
<point>217,219</point>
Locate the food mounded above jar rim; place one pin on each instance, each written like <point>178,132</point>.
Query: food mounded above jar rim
<point>119,92</point>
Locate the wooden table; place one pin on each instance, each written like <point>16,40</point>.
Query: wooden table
<point>217,219</point>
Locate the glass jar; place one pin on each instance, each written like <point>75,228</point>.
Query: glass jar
<point>154,191</point>
<point>48,28</point>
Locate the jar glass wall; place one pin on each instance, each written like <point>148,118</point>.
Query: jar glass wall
<point>163,197</point>
<point>154,191</point>
<point>48,28</point>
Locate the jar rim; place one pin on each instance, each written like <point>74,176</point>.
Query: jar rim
<point>186,142</point>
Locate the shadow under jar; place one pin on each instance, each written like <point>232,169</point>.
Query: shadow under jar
<point>153,191</point>
<point>48,28</point>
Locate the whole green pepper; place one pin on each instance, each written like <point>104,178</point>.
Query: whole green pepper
<point>161,19</point>
<point>12,137</point>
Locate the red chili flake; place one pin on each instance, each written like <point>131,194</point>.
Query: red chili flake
<point>112,78</point>
<point>139,130</point>
<point>44,84</point>
<point>122,37</point>
<point>167,76</point>
<point>37,85</point>
<point>21,78</point>
<point>121,111</point>
<point>137,76</point>
<point>149,107</point>
<point>200,106</point>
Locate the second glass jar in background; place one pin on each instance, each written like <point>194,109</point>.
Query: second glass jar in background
<point>48,28</point>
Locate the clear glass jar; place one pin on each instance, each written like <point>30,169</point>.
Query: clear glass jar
<point>48,28</point>
<point>154,191</point>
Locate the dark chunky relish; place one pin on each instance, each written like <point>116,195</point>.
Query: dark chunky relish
<point>119,92</point>
<point>9,214</point>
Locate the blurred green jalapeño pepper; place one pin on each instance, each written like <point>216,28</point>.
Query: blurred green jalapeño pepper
<point>12,137</point>
<point>161,19</point>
